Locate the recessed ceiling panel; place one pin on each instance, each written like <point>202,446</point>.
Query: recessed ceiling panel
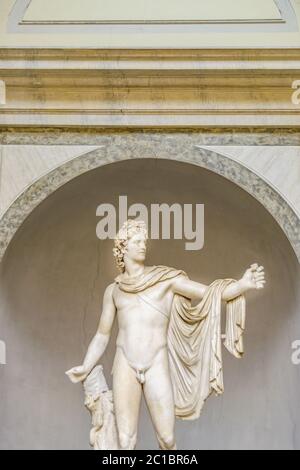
<point>150,11</point>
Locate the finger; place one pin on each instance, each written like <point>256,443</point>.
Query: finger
<point>259,276</point>
<point>70,376</point>
<point>260,285</point>
<point>259,273</point>
<point>254,266</point>
<point>73,379</point>
<point>74,370</point>
<point>260,268</point>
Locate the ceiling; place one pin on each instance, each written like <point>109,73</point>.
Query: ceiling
<point>139,11</point>
<point>144,24</point>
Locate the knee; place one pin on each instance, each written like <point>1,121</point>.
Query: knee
<point>127,440</point>
<point>167,441</point>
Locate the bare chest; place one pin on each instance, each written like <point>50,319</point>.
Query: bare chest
<point>156,299</point>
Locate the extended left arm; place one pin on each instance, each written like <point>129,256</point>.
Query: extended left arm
<point>254,278</point>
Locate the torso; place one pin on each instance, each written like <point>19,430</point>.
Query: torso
<point>143,322</point>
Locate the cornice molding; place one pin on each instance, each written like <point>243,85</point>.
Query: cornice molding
<point>92,135</point>
<point>135,87</point>
<point>111,54</point>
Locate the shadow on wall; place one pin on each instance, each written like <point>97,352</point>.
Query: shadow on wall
<point>51,284</point>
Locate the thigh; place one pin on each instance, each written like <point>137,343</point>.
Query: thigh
<point>127,395</point>
<point>159,395</point>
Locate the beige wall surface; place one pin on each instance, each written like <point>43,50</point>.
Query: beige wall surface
<point>52,280</point>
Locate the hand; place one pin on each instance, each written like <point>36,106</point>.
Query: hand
<point>77,374</point>
<point>254,277</point>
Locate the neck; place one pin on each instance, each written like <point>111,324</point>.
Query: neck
<point>134,268</point>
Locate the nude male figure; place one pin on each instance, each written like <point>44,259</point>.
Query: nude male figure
<point>141,361</point>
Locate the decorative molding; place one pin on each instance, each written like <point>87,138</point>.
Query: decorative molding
<point>149,88</point>
<point>250,56</point>
<point>145,22</point>
<point>236,136</point>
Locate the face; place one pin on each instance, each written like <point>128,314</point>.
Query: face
<point>136,248</point>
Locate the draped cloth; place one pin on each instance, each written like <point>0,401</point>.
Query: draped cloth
<point>194,338</point>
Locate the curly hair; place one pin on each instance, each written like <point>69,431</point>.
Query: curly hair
<point>128,230</point>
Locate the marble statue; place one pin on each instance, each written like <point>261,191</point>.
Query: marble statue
<point>169,342</point>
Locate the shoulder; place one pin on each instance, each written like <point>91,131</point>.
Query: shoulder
<point>176,272</point>
<point>173,271</point>
<point>174,276</point>
<point>109,290</point>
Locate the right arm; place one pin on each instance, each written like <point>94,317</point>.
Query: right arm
<point>100,340</point>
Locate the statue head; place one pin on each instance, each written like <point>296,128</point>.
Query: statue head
<point>130,243</point>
